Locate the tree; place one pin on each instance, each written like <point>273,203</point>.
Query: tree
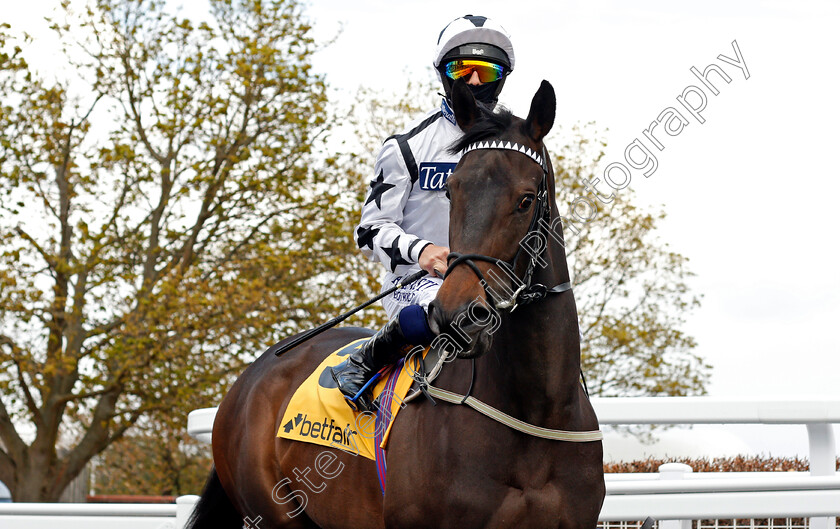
<point>156,459</point>
<point>165,214</point>
<point>9,61</point>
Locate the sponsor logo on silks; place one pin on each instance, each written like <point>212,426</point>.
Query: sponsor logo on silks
<point>433,175</point>
<point>447,112</point>
<point>407,293</point>
<point>325,429</point>
<point>406,298</point>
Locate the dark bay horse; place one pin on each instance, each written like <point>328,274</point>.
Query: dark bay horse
<point>448,465</point>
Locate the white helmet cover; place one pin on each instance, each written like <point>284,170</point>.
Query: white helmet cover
<point>472,29</point>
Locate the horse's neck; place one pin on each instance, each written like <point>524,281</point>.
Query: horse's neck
<point>537,352</point>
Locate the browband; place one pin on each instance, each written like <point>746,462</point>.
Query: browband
<point>509,145</point>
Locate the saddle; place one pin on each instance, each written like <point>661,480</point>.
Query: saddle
<point>318,413</point>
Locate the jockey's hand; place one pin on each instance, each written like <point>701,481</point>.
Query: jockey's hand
<point>433,259</point>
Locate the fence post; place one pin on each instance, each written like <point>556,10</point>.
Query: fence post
<point>822,462</point>
<point>674,471</point>
<point>184,506</point>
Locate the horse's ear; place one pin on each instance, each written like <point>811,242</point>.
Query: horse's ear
<point>464,105</point>
<point>541,117</point>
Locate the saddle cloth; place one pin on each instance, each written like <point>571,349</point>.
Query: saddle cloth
<point>319,414</point>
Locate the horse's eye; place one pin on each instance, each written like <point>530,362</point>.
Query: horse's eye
<point>526,202</point>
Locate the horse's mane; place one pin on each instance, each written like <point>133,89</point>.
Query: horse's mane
<point>488,124</point>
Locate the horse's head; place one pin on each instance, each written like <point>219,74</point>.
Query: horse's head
<point>499,192</point>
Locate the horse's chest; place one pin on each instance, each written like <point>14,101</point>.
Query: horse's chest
<point>462,476</point>
<point>483,505</point>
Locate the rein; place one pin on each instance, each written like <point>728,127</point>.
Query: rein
<point>526,292</point>
<point>513,422</point>
<point>432,392</point>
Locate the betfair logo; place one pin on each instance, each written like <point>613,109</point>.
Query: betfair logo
<point>326,431</point>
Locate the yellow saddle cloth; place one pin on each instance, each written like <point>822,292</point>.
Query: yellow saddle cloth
<point>319,414</point>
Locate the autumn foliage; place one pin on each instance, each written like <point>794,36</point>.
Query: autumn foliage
<point>165,215</point>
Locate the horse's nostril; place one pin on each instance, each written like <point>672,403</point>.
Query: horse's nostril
<point>479,314</point>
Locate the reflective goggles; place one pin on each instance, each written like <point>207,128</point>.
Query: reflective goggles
<point>487,71</point>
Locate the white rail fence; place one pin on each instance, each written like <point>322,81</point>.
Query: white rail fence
<point>675,495</point>
<point>678,494</point>
<point>96,515</point>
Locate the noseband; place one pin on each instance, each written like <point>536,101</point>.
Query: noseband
<point>527,291</point>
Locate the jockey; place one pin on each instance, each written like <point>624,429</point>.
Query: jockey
<point>405,218</point>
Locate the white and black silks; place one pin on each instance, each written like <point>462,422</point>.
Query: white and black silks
<point>406,208</point>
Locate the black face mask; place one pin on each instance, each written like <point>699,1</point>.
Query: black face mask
<point>485,93</point>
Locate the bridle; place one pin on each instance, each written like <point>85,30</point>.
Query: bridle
<point>526,291</point>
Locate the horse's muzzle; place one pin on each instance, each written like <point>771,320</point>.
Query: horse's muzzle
<point>466,332</point>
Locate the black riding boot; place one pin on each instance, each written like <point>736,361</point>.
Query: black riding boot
<point>385,347</point>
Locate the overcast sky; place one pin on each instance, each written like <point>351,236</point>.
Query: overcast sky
<point>750,194</point>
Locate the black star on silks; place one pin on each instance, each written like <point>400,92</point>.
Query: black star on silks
<point>365,236</point>
<point>377,187</point>
<point>394,253</point>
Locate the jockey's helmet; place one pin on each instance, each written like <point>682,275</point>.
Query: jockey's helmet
<point>474,43</point>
